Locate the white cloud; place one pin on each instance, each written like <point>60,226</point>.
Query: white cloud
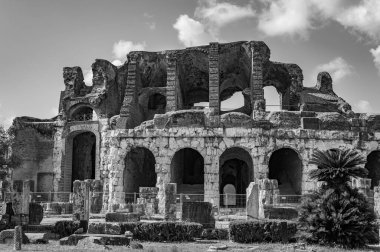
<point>209,17</point>
<point>117,62</point>
<point>87,77</point>
<point>7,122</point>
<point>338,69</point>
<point>54,111</point>
<point>364,106</point>
<point>191,32</point>
<point>376,57</point>
<point>362,17</point>
<point>286,17</point>
<point>122,48</point>
<point>216,15</point>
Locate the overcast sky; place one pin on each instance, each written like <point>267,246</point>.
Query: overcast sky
<point>40,37</point>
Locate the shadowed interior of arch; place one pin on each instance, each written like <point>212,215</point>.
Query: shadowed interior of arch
<point>83,158</point>
<point>187,170</point>
<point>373,167</point>
<point>139,170</point>
<point>235,169</point>
<point>286,167</point>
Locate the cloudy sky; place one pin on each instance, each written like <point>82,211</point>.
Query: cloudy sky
<point>40,37</point>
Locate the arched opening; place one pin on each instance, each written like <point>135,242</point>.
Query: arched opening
<point>235,174</point>
<point>373,167</point>
<point>139,170</point>
<point>272,99</point>
<point>83,114</point>
<point>187,170</point>
<point>234,102</point>
<point>83,157</point>
<point>286,167</point>
<point>156,105</point>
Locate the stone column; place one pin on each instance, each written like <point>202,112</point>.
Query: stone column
<point>171,83</point>
<point>20,201</point>
<point>81,202</point>
<point>256,83</point>
<point>128,108</point>
<point>213,66</point>
<point>96,195</point>
<point>253,204</point>
<point>376,199</point>
<point>211,188</point>
<point>170,191</point>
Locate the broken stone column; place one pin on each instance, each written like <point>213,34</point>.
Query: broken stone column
<point>362,184</point>
<point>170,191</point>
<point>96,195</point>
<point>17,238</point>
<point>81,202</point>
<point>253,204</point>
<point>148,197</point>
<point>20,201</point>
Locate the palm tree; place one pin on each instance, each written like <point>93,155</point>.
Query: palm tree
<point>336,166</point>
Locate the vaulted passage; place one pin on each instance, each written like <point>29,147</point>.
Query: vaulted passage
<point>187,170</point>
<point>83,161</point>
<point>139,170</point>
<point>286,167</point>
<point>235,174</point>
<point>373,167</point>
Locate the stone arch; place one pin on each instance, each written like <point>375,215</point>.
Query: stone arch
<point>373,167</point>
<point>82,112</point>
<point>235,168</point>
<point>187,170</point>
<point>139,169</point>
<point>81,161</point>
<point>285,165</point>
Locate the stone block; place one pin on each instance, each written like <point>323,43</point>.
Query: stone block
<point>200,212</point>
<point>170,191</point>
<point>281,213</point>
<point>310,123</point>
<point>36,213</point>
<point>96,228</point>
<point>122,217</point>
<point>253,205</point>
<point>81,204</point>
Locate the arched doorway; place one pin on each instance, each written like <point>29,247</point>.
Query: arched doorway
<point>373,167</point>
<point>286,167</point>
<point>83,157</point>
<point>139,170</point>
<point>235,171</point>
<point>187,170</point>
<point>83,113</point>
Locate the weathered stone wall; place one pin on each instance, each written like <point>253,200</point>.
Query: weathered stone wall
<point>36,153</point>
<point>211,143</point>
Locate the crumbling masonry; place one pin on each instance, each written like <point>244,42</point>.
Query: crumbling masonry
<point>139,125</point>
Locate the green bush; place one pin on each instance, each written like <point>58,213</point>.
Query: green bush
<point>163,231</point>
<point>66,228</point>
<point>262,231</point>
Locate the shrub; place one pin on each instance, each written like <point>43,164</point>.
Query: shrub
<point>215,234</point>
<point>163,231</point>
<point>66,228</point>
<point>262,231</point>
<point>337,214</point>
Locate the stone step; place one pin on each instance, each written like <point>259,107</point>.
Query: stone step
<point>101,239</point>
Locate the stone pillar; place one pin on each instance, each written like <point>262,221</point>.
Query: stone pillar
<point>376,199</point>
<point>362,184</point>
<point>170,191</point>
<point>17,238</point>
<point>96,195</point>
<point>128,108</point>
<point>214,101</point>
<point>5,184</point>
<point>20,201</point>
<point>256,83</point>
<point>81,202</point>
<point>171,83</point>
<point>211,188</point>
<point>253,204</point>
<point>148,197</point>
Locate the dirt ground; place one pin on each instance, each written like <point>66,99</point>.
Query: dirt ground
<point>173,247</point>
